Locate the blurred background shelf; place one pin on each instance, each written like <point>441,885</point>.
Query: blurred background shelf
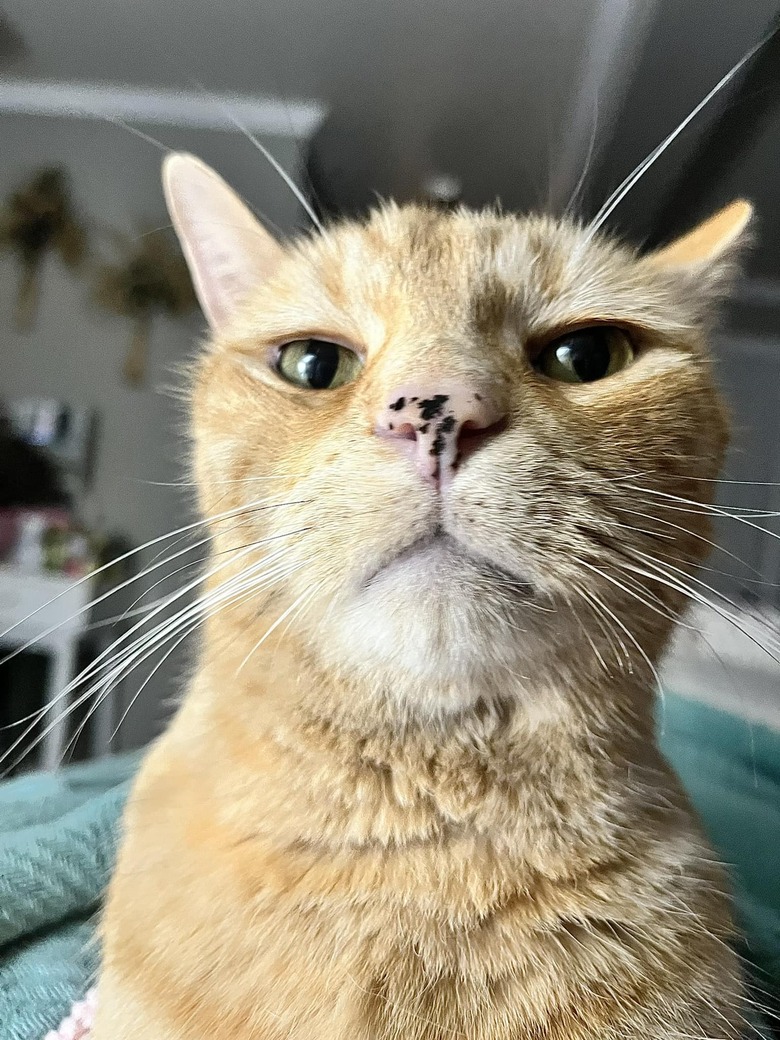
<point>47,611</point>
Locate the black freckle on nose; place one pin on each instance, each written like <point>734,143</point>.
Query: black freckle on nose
<point>399,404</point>
<point>425,427</point>
<point>432,406</point>
<point>477,397</point>
<point>438,445</point>
<point>447,424</point>
<point>390,426</point>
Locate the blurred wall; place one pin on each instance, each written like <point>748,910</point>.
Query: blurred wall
<point>75,352</point>
<point>748,366</point>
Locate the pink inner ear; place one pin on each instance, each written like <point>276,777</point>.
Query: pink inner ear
<point>227,250</point>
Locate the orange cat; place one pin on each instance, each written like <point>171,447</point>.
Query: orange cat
<point>413,791</point>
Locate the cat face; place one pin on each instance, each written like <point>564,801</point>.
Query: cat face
<point>451,436</point>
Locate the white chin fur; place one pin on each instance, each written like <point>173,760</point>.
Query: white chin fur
<point>430,619</point>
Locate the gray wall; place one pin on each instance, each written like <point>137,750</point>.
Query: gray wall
<point>749,369</point>
<point>75,351</point>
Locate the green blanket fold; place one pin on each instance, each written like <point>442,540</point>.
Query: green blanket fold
<point>58,835</point>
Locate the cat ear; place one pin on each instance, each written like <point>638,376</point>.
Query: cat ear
<point>711,248</point>
<point>227,250</point>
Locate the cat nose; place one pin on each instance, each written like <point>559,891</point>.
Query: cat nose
<point>438,426</point>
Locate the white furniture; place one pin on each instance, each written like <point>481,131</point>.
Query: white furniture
<point>48,612</point>
<point>731,665</point>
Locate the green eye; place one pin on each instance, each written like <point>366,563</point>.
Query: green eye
<point>317,364</point>
<point>586,355</point>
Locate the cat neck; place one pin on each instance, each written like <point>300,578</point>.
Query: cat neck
<point>322,758</point>
<point>572,693</point>
<point>291,680</point>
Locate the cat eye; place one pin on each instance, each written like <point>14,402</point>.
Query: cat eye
<point>318,364</point>
<point>586,355</point>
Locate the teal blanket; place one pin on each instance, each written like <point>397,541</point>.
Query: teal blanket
<point>58,836</point>
<point>731,770</point>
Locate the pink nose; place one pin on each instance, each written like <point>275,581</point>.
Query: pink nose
<point>437,427</point>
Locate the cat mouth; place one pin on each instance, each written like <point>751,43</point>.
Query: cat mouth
<point>441,549</point>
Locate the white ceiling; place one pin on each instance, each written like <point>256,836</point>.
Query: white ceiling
<point>503,67</point>
<point>482,88</point>
<point>427,52</point>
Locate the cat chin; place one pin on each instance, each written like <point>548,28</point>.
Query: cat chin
<point>436,617</point>
<point>437,569</point>
<point>409,647</point>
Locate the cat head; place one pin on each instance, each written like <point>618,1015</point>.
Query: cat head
<point>445,447</point>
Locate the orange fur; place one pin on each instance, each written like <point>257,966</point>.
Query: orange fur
<point>425,807</point>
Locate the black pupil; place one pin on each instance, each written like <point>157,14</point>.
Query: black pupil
<point>587,353</point>
<point>318,366</point>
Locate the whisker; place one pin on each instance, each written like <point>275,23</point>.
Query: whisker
<point>623,627</point>
<point>272,160</point>
<point>241,510</point>
<point>710,510</point>
<point>226,480</point>
<point>628,183</point>
<point>695,534</point>
<point>576,191</point>
<point>651,561</point>
<point>146,644</point>
<point>162,600</point>
<point>230,593</point>
<point>725,480</point>
<point>586,633</point>
<point>116,121</point>
<point>126,638</point>
<point>133,611</point>
<point>273,627</point>
<point>669,580</point>
<point>662,611</point>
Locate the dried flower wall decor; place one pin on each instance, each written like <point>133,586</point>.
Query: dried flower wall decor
<point>39,218</point>
<point>152,278</point>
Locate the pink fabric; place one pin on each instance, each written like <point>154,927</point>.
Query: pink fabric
<point>78,1024</point>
